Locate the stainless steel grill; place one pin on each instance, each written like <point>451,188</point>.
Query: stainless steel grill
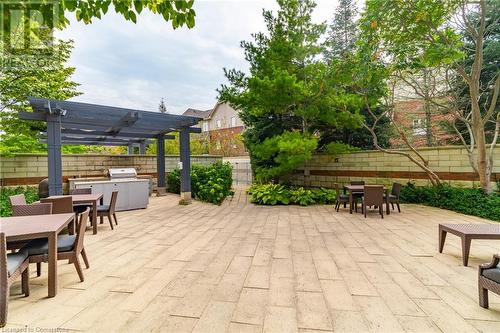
<point>122,173</point>
<point>133,192</point>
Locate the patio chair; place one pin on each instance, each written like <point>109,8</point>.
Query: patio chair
<point>81,207</point>
<point>26,210</point>
<point>81,191</point>
<point>373,196</point>
<point>17,199</point>
<point>69,247</point>
<point>394,196</point>
<point>108,210</point>
<point>489,279</point>
<point>357,195</point>
<point>60,205</point>
<point>33,209</point>
<point>12,265</point>
<point>341,198</point>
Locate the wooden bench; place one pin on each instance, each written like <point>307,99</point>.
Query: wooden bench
<point>468,232</point>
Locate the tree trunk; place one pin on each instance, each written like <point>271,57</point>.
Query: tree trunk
<point>483,167</point>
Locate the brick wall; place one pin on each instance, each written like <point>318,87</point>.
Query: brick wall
<point>407,111</point>
<point>30,169</point>
<point>227,142</point>
<point>451,164</point>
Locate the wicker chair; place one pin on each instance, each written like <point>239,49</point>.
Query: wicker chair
<point>489,279</point>
<point>108,210</point>
<point>81,191</point>
<point>17,199</point>
<point>12,265</point>
<point>341,198</point>
<point>81,207</point>
<point>26,210</point>
<point>69,247</point>
<point>357,195</point>
<point>373,196</point>
<point>60,205</point>
<point>394,196</point>
<point>33,209</point>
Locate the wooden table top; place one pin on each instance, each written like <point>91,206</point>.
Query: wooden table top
<point>358,187</point>
<point>80,198</point>
<point>34,226</point>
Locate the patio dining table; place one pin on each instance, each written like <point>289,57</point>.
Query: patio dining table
<point>19,228</point>
<point>360,189</point>
<point>86,199</point>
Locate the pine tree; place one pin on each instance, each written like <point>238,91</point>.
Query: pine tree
<point>162,108</point>
<point>290,96</point>
<point>342,32</point>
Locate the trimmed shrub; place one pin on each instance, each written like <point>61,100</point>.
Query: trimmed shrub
<point>30,193</point>
<point>470,201</point>
<point>208,183</point>
<point>276,194</point>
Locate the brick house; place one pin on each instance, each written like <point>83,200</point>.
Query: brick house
<point>223,128</point>
<point>410,115</point>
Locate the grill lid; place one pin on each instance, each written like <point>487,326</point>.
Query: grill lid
<point>122,173</point>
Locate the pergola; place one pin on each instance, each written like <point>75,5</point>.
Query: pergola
<point>74,123</point>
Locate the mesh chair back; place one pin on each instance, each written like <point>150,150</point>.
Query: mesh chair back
<point>112,202</point>
<point>18,199</point>
<point>357,182</point>
<point>60,205</point>
<point>81,191</point>
<point>34,209</point>
<point>396,189</point>
<point>84,217</point>
<point>374,195</point>
<point>338,190</point>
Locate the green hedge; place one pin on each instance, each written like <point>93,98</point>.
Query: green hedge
<point>31,194</point>
<point>470,201</point>
<point>276,194</point>
<point>208,183</point>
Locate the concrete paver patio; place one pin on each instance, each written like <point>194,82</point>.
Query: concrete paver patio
<point>245,268</point>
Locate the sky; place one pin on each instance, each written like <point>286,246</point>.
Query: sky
<point>131,65</point>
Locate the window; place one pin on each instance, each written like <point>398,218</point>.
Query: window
<point>233,121</point>
<point>218,123</point>
<point>218,145</point>
<point>418,127</point>
<point>205,126</point>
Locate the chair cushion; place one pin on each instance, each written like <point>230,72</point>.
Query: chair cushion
<point>103,208</point>
<point>14,260</point>
<point>492,274</point>
<point>65,243</point>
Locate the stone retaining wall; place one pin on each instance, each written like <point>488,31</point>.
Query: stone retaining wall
<point>451,163</point>
<point>30,169</point>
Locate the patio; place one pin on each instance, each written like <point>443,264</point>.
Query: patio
<point>245,268</point>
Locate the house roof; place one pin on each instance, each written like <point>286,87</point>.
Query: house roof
<point>197,113</point>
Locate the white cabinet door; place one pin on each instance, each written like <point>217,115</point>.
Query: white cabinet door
<point>122,200</point>
<point>138,195</point>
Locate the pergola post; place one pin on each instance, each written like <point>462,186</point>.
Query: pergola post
<point>160,164</point>
<point>186,165</point>
<point>54,154</point>
<point>142,148</point>
<point>130,149</point>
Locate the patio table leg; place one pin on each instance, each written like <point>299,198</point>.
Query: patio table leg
<point>52,264</point>
<point>465,250</point>
<point>387,210</point>
<point>442,238</point>
<point>94,217</point>
<point>351,199</point>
